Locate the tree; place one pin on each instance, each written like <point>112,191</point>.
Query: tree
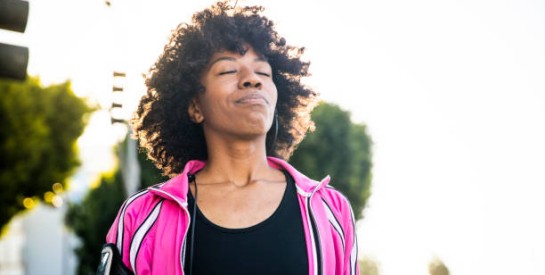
<point>38,133</point>
<point>437,267</point>
<point>149,174</point>
<point>91,219</point>
<point>341,149</point>
<point>369,266</point>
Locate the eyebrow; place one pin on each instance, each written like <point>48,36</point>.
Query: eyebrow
<point>228,58</point>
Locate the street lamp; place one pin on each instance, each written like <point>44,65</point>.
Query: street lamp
<point>117,87</point>
<point>13,59</point>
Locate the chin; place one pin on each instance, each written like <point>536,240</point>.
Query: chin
<point>253,133</point>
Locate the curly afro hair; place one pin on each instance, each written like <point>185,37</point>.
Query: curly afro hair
<point>161,121</point>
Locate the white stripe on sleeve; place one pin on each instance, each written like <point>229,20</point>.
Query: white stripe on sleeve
<point>333,220</point>
<point>141,233</point>
<point>121,222</point>
<point>354,252</point>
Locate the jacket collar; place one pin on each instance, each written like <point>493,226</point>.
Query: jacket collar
<point>177,187</point>
<point>305,185</point>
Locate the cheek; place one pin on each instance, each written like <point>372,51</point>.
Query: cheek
<point>273,93</point>
<point>206,102</point>
<point>209,106</point>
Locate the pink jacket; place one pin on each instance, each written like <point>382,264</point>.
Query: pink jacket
<point>151,226</point>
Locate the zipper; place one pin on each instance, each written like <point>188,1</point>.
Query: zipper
<point>315,229</point>
<point>316,236</point>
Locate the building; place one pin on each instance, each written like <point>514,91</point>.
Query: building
<point>38,243</point>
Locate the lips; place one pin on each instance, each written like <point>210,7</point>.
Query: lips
<point>253,98</point>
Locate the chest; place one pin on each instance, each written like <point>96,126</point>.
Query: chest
<point>241,208</point>
<point>275,245</point>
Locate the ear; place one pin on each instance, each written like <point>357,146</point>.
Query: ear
<point>194,112</point>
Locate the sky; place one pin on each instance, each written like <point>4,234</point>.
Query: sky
<point>452,93</point>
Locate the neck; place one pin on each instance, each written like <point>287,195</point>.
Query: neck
<point>239,163</point>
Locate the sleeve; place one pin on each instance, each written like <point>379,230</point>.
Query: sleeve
<point>341,217</point>
<point>117,245</point>
<point>351,249</point>
<point>350,264</point>
<point>110,262</point>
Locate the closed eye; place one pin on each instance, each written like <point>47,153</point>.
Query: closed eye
<point>264,74</point>
<point>227,72</point>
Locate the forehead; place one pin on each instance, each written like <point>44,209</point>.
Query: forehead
<point>248,52</point>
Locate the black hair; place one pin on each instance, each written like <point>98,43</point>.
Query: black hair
<point>162,123</point>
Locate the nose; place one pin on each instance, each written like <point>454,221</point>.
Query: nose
<point>250,80</point>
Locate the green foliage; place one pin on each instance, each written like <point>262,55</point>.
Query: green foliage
<point>149,174</point>
<point>39,127</point>
<point>341,149</point>
<point>92,218</point>
<point>369,266</point>
<point>437,267</point>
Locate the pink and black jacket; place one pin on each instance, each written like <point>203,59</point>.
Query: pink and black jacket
<point>151,227</point>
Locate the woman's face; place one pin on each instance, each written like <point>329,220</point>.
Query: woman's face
<point>239,98</point>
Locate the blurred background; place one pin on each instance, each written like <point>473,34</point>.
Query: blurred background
<point>439,106</point>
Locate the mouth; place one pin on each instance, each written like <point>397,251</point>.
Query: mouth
<point>252,98</point>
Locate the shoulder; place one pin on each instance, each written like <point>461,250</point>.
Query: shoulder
<point>337,202</point>
<point>135,209</point>
<point>139,204</point>
<point>333,196</point>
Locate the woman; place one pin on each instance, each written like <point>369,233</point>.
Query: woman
<point>224,109</point>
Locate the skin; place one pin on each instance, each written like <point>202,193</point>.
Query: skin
<point>237,188</point>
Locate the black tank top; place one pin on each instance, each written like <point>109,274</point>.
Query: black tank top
<point>273,246</point>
